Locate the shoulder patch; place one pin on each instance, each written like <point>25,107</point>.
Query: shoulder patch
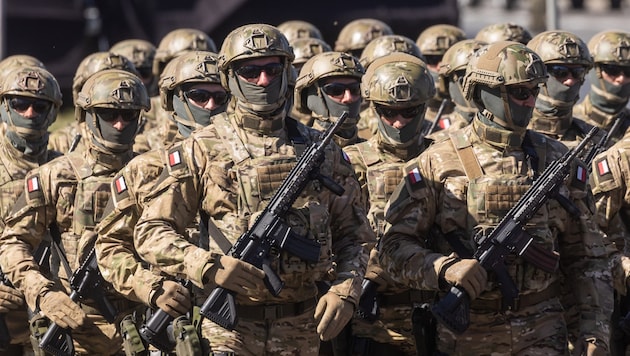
<point>602,167</point>
<point>444,123</point>
<point>414,179</point>
<point>32,184</point>
<point>345,156</point>
<point>120,185</point>
<point>174,157</point>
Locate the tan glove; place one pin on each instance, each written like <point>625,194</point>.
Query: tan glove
<point>235,275</point>
<point>468,274</point>
<point>10,299</point>
<point>591,349</point>
<point>61,310</point>
<point>173,298</point>
<point>333,313</point>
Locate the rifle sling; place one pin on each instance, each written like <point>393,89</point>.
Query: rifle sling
<point>467,156</point>
<point>56,241</point>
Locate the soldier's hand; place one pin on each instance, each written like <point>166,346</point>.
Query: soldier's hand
<point>173,298</point>
<point>61,310</point>
<point>585,348</point>
<point>235,275</point>
<point>468,274</point>
<point>10,299</point>
<point>333,314</point>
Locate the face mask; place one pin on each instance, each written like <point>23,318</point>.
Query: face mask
<point>403,135</point>
<point>560,92</point>
<point>200,117</point>
<point>493,101</point>
<point>608,97</point>
<point>259,95</point>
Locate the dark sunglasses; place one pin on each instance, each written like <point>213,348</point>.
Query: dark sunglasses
<point>338,89</point>
<point>202,96</point>
<point>615,70</point>
<point>562,72</point>
<point>523,93</point>
<point>253,71</point>
<point>391,113</point>
<point>110,115</point>
<point>22,104</point>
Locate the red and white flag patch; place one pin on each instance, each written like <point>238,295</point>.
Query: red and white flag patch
<point>414,176</point>
<point>121,185</point>
<point>174,158</point>
<point>32,184</point>
<point>445,123</point>
<point>602,167</point>
<point>581,174</point>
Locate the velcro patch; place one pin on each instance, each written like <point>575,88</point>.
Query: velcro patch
<point>444,123</point>
<point>32,184</point>
<point>414,176</point>
<point>174,158</point>
<point>120,184</point>
<point>581,174</point>
<point>602,167</point>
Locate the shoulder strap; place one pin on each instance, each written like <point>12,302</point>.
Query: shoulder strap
<point>466,155</point>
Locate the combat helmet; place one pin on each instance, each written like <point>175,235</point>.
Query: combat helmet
<point>506,31</point>
<point>142,54</point>
<point>388,44</point>
<point>611,53</point>
<point>610,47</point>
<point>297,29</point>
<point>435,40</point>
<point>561,47</point>
<point>402,81</point>
<point>305,48</point>
<point>177,42</point>
<point>18,60</point>
<point>96,62</point>
<point>454,63</point>
<point>355,35</point>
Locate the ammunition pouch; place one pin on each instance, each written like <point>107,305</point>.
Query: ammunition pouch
<point>187,341</point>
<point>38,326</point>
<point>132,342</point>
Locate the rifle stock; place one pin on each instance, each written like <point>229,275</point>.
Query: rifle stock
<point>269,231</point>
<point>510,237</point>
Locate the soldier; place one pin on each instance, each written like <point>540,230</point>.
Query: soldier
<point>229,170</point>
<point>355,35</point>
<point>20,60</point>
<point>433,43</point>
<point>503,31</point>
<point>72,136</point>
<point>141,53</point>
<point>457,190</point>
<point>305,48</point>
<point>610,83</point>
<point>191,91</point>
<point>568,60</point>
<point>70,194</point>
<point>328,85</point>
<point>379,47</point>
<point>397,87</point>
<point>297,29</point>
<point>451,73</point>
<point>30,100</point>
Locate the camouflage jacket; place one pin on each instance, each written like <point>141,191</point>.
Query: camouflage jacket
<point>231,172</point>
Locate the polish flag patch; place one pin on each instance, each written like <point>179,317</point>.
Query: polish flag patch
<point>581,174</point>
<point>602,167</point>
<point>32,184</point>
<point>121,185</point>
<point>445,123</point>
<point>174,158</point>
<point>414,176</point>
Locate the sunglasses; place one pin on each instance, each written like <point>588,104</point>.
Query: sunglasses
<point>562,72</point>
<point>339,89</point>
<point>615,70</point>
<point>110,115</point>
<point>22,104</point>
<point>523,93</point>
<point>202,96</point>
<point>391,113</point>
<point>253,71</point>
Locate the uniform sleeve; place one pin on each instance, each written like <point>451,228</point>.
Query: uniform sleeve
<point>352,235</point>
<point>115,251</point>
<point>25,229</point>
<point>360,171</point>
<point>160,235</point>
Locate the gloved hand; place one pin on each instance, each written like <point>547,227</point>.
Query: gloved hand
<point>235,275</point>
<point>173,298</point>
<point>10,299</point>
<point>60,309</point>
<point>468,274</point>
<point>588,349</point>
<point>333,314</point>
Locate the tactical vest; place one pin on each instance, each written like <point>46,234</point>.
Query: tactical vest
<point>257,179</point>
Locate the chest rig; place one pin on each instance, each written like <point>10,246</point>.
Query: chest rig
<point>383,175</point>
<point>257,179</point>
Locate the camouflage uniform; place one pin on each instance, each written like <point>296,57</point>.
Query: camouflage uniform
<point>310,97</point>
<point>16,160</point>
<point>397,81</point>
<point>229,170</point>
<point>462,187</point>
<point>72,192</point>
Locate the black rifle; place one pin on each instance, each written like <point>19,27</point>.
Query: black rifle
<point>437,118</point>
<point>367,308</point>
<point>508,237</point>
<point>602,144</point>
<point>87,284</point>
<point>5,336</point>
<point>269,231</point>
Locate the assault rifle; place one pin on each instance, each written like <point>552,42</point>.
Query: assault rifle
<point>87,284</point>
<point>5,336</point>
<point>431,128</point>
<point>508,237</point>
<point>270,232</point>
<point>602,144</point>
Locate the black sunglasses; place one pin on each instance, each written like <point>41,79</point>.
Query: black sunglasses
<point>202,96</point>
<point>562,72</point>
<point>391,113</point>
<point>110,115</point>
<point>253,71</point>
<point>20,103</point>
<point>338,89</point>
<point>523,93</point>
<point>615,70</point>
